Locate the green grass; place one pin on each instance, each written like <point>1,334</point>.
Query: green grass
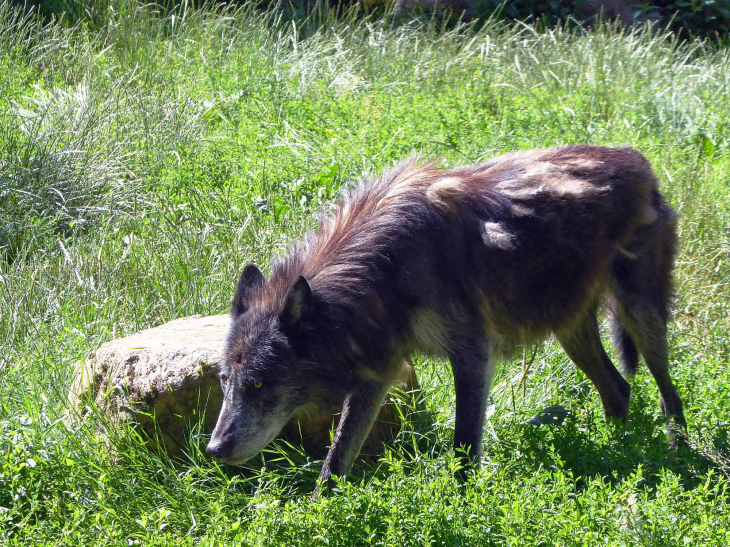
<point>145,157</point>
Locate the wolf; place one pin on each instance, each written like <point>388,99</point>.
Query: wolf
<point>467,264</point>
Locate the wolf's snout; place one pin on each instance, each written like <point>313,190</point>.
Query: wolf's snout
<point>221,442</point>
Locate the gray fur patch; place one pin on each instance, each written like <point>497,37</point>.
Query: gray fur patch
<point>495,235</point>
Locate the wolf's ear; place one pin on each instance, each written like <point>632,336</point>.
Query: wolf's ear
<point>298,302</point>
<point>251,279</point>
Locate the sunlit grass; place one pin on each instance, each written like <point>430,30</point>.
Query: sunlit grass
<point>146,157</point>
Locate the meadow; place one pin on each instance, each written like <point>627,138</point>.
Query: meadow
<point>147,155</point>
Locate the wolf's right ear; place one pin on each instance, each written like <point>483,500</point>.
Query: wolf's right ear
<point>298,302</point>
<point>251,279</point>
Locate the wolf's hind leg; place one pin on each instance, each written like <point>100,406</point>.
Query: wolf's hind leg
<point>583,345</point>
<point>643,318</point>
<point>643,291</point>
<point>650,333</point>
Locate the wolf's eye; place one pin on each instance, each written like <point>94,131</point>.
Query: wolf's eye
<point>257,385</point>
<point>224,380</point>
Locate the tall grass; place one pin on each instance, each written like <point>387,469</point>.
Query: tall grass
<point>146,155</point>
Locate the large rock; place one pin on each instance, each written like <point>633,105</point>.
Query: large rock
<point>165,379</point>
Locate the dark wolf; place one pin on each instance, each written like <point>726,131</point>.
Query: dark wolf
<point>466,263</point>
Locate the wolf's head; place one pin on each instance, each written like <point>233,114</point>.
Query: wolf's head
<point>261,377</point>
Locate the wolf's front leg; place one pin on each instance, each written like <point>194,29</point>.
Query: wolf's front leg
<point>473,367</point>
<point>359,411</point>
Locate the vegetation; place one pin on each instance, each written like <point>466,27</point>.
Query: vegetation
<point>689,18</point>
<point>145,159</point>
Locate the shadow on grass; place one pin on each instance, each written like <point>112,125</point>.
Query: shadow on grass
<point>589,447</point>
<point>585,445</point>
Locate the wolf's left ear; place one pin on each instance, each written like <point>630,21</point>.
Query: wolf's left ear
<point>251,278</point>
<point>298,302</point>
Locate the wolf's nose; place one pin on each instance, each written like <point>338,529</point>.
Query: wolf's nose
<point>217,449</point>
